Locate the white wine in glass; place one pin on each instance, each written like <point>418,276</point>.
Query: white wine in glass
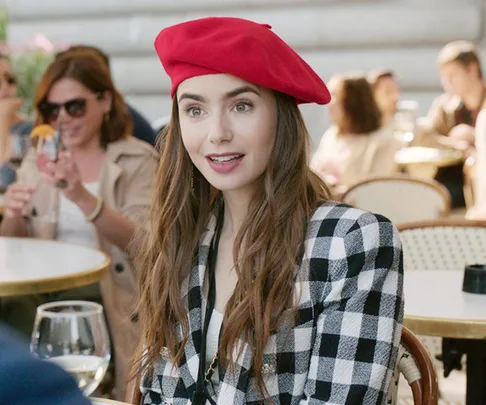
<point>73,335</point>
<point>404,121</point>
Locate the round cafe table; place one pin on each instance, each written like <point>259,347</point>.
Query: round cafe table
<point>33,266</point>
<point>435,305</point>
<point>423,162</point>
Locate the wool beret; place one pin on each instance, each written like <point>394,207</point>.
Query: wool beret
<point>242,48</point>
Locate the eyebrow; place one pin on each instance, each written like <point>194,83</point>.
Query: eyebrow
<point>240,90</point>
<point>231,94</point>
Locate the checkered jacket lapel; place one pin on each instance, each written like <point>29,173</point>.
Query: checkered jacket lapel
<point>343,347</point>
<point>192,291</point>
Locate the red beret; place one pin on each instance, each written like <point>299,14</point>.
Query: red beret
<point>241,48</point>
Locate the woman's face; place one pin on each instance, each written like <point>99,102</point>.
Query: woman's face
<point>335,108</point>
<point>228,127</point>
<point>80,111</point>
<point>8,81</point>
<point>387,95</point>
<point>457,79</point>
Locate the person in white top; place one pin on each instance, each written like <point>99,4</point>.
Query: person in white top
<point>386,91</point>
<point>356,146</point>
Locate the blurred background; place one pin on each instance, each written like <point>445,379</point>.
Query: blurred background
<point>411,161</point>
<point>404,36</point>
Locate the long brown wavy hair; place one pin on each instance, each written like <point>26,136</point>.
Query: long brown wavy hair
<point>288,196</point>
<point>92,73</point>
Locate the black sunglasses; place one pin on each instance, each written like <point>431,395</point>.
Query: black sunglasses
<point>10,79</point>
<point>75,108</point>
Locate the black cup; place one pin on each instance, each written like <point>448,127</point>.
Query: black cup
<point>475,279</point>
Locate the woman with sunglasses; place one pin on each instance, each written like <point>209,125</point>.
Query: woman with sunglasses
<point>255,287</point>
<point>12,121</point>
<point>106,177</point>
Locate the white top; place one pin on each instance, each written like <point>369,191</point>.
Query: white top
<point>29,259</point>
<point>438,294</point>
<point>72,225</point>
<point>346,159</point>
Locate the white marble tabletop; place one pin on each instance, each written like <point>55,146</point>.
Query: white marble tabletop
<point>420,154</point>
<point>424,162</point>
<point>435,305</point>
<point>30,266</point>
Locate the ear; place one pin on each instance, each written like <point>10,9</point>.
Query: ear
<point>107,101</point>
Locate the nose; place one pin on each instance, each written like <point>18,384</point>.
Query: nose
<point>61,117</point>
<point>219,129</point>
<point>63,114</point>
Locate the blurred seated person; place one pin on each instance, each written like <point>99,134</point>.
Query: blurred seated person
<point>356,147</point>
<point>141,127</point>
<point>478,211</point>
<point>453,115</point>
<point>26,380</point>
<point>12,121</point>
<point>387,94</point>
<point>108,177</point>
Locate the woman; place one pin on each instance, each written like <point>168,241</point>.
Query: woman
<point>254,286</point>
<point>108,176</point>
<point>386,92</point>
<point>12,121</point>
<point>356,146</point>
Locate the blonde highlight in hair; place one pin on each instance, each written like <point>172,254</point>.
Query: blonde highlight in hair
<point>265,264</point>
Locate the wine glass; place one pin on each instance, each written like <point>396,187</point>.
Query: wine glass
<point>405,121</point>
<point>46,151</point>
<point>73,335</point>
<point>19,144</point>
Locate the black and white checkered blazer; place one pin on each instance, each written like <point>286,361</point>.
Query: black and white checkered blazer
<point>344,345</point>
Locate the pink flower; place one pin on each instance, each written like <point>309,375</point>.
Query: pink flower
<point>41,41</point>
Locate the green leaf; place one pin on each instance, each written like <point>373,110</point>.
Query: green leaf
<point>29,67</point>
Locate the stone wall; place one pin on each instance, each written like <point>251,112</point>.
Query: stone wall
<point>332,35</point>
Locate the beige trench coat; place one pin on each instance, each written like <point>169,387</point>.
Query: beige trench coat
<point>125,185</point>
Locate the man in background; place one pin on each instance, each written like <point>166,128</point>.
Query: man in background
<point>141,127</point>
<point>453,114</point>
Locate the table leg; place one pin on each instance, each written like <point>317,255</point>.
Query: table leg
<point>476,372</point>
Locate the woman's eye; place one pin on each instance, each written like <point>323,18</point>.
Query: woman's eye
<point>242,107</point>
<point>194,111</point>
